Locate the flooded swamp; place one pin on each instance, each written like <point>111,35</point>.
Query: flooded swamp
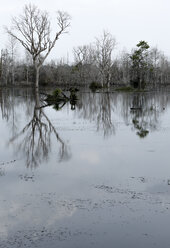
<point>95,174</point>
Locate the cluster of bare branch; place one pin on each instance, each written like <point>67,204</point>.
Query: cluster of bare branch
<point>33,30</point>
<point>99,54</point>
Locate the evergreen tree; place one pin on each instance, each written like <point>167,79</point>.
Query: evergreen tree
<point>139,64</point>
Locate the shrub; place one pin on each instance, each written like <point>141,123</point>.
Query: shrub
<point>125,88</point>
<point>95,85</point>
<point>57,92</point>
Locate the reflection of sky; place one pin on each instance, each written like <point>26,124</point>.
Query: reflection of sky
<point>28,211</point>
<point>50,193</point>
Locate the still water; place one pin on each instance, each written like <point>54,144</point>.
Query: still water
<point>92,175</point>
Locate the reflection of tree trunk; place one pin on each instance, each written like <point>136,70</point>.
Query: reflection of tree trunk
<point>37,98</point>
<point>104,116</point>
<point>27,75</point>
<point>37,71</point>
<point>36,140</point>
<point>97,107</point>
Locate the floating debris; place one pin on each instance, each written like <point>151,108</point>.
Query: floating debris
<point>27,177</point>
<point>8,162</point>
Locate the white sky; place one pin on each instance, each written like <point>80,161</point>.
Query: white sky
<point>129,21</point>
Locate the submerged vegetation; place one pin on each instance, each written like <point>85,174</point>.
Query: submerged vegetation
<point>58,98</point>
<point>57,92</point>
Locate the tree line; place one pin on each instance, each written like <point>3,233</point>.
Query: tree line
<point>93,63</point>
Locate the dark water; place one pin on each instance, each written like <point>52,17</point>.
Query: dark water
<point>97,176</point>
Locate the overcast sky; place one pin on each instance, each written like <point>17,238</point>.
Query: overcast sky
<point>129,21</point>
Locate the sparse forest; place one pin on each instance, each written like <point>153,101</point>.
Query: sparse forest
<point>94,63</point>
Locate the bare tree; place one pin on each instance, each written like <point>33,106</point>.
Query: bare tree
<point>84,57</point>
<point>12,47</point>
<point>84,54</point>
<point>27,65</point>
<point>5,66</point>
<point>104,49</point>
<point>33,31</point>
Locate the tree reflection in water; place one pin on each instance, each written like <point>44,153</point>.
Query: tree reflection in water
<point>104,118</point>
<point>145,114</point>
<point>35,138</point>
<point>9,103</point>
<point>98,108</point>
<point>141,111</point>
